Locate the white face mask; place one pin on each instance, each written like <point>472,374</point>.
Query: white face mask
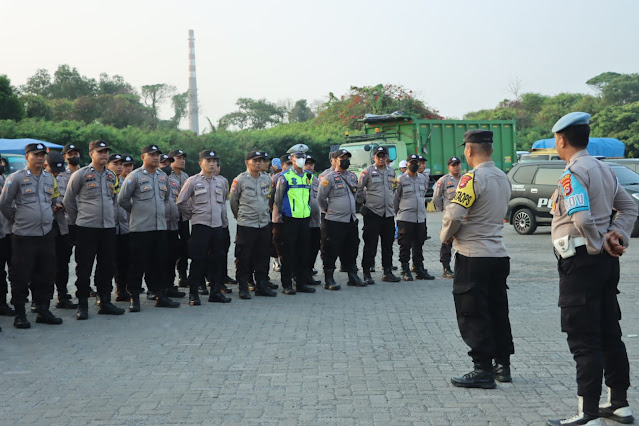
<point>299,162</point>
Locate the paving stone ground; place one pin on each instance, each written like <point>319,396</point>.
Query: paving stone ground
<point>377,355</point>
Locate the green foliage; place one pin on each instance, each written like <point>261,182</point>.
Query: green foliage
<point>621,122</point>
<point>154,95</point>
<point>602,80</point>
<point>10,106</point>
<point>300,112</point>
<point>69,84</point>
<point>180,104</point>
<point>621,90</point>
<point>36,106</point>
<point>253,114</point>
<point>114,85</point>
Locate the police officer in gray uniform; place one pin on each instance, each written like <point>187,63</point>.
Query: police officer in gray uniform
<point>410,207</point>
<point>202,200</point>
<point>474,221</point>
<point>27,202</point>
<point>442,196</point>
<point>376,191</point>
<point>178,173</point>
<point>588,245</point>
<point>315,223</point>
<point>5,250</point>
<point>336,197</point>
<point>89,203</point>
<point>249,199</point>
<point>121,216</point>
<point>144,194</point>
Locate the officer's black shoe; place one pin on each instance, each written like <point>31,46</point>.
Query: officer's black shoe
<point>617,412</point>
<point>65,295</point>
<point>579,419</point>
<point>303,288</point>
<point>183,280</point>
<point>174,292</point>
<point>329,281</point>
<point>354,280</point>
<point>34,307</point>
<point>390,277</point>
<point>229,280</point>
<point>245,294</point>
<point>92,293</point>
<point>163,301</point>
<point>448,273</point>
<point>218,297</point>
<point>424,275</point>
<point>150,295</point>
<point>313,281</point>
<point>224,289</point>
<point>21,321</point>
<point>203,290</point>
<point>314,271</point>
<point>271,285</point>
<point>371,269</point>
<point>6,310</point>
<point>264,290</point>
<point>502,372</point>
<point>64,303</point>
<point>134,305</point>
<point>122,297</point>
<point>368,279</point>
<point>45,316</point>
<point>83,309</point>
<point>194,299</point>
<point>477,378</point>
<point>108,308</point>
<point>289,291</point>
<point>406,275</point>
<point>394,268</point>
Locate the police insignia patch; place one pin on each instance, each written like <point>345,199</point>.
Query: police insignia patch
<point>465,194</point>
<point>324,182</point>
<point>575,195</point>
<point>234,185</point>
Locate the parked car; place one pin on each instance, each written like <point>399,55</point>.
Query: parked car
<point>533,184</point>
<point>631,163</point>
<point>16,162</point>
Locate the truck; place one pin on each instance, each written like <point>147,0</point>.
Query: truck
<point>437,140</point>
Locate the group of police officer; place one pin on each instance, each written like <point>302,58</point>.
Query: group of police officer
<point>142,223</point>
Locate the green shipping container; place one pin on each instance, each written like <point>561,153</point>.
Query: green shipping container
<point>437,140</point>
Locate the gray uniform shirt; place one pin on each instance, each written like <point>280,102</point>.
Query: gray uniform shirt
<point>249,200</point>
<point>319,179</point>
<point>444,191</point>
<point>475,217</point>
<point>27,202</point>
<point>172,213</point>
<point>144,195</point>
<point>410,202</point>
<point>315,208</point>
<point>336,196</point>
<point>376,189</point>
<point>5,224</point>
<point>89,198</point>
<point>180,180</point>
<point>202,200</point>
<point>276,216</point>
<point>60,216</point>
<point>63,181</point>
<point>587,193</point>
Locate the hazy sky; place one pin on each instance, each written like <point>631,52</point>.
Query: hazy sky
<point>457,55</point>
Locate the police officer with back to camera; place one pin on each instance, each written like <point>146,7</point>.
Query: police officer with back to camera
<point>202,200</point>
<point>89,203</point>
<point>442,196</point>
<point>5,250</point>
<point>249,199</point>
<point>144,194</point>
<point>376,191</point>
<point>474,220</point>
<point>588,245</point>
<point>292,199</point>
<point>177,172</point>
<point>27,202</point>
<point>336,197</point>
<point>410,207</point>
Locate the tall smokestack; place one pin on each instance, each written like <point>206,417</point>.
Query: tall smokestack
<point>193,112</point>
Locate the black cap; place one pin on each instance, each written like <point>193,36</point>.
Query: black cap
<point>339,153</point>
<point>256,154</point>
<point>453,160</point>
<point>35,147</point>
<point>309,158</point>
<point>285,159</point>
<point>115,157</point>
<point>478,136</point>
<point>127,159</point>
<point>207,153</point>
<point>380,150</point>
<point>70,147</point>
<point>55,160</point>
<point>413,157</point>
<point>150,149</point>
<point>164,157</point>
<point>98,146</point>
<point>177,153</point>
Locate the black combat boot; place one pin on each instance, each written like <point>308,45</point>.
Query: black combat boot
<point>174,292</point>
<point>217,297</point>
<point>329,281</point>
<point>194,297</point>
<point>122,296</point>
<point>448,273</point>
<point>501,368</point>
<point>302,284</point>
<point>21,320</point>
<point>406,275</point>
<point>421,273</point>
<point>368,279</point>
<point>353,279</point>
<point>108,308</point>
<point>183,280</point>
<point>587,414</point>
<point>83,309</point>
<point>134,303</point>
<point>6,310</point>
<point>229,280</point>
<point>389,276</point>
<point>264,290</point>
<point>270,284</point>
<point>45,316</point>
<point>244,290</point>
<point>163,301</point>
<point>65,302</point>
<point>224,289</point>
<point>481,377</point>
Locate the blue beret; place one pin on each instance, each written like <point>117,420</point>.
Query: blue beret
<point>570,120</point>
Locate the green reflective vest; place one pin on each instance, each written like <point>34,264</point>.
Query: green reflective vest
<point>297,197</point>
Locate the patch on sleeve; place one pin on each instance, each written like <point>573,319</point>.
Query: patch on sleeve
<point>465,193</point>
<point>8,182</point>
<point>575,195</point>
<point>234,185</point>
<point>324,183</point>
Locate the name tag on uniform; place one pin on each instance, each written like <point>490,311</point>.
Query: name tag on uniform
<point>199,191</point>
<point>92,185</point>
